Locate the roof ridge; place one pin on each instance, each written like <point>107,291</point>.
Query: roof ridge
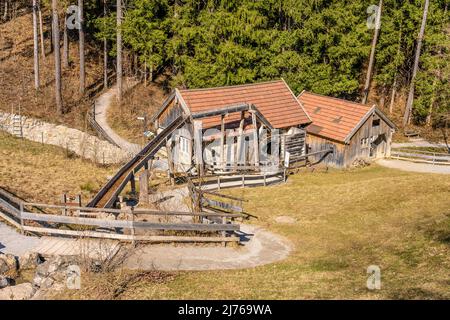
<point>232,86</point>
<point>334,98</point>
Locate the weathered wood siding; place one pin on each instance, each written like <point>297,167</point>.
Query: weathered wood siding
<point>370,141</point>
<point>315,143</point>
<point>173,111</point>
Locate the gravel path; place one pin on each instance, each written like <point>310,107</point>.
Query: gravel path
<point>414,166</point>
<point>15,243</point>
<point>102,105</point>
<point>259,247</point>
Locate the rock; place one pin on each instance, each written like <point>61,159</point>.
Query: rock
<point>30,260</point>
<point>6,282</point>
<point>285,219</point>
<point>8,264</point>
<point>47,283</point>
<point>22,291</point>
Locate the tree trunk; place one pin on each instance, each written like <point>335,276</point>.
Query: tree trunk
<point>65,45</point>
<point>5,15</point>
<point>409,103</point>
<point>394,89</point>
<point>57,54</point>
<point>119,50</point>
<point>81,39</point>
<point>36,45</point>
<point>41,30</point>
<point>372,54</point>
<point>145,73</point>
<point>105,54</point>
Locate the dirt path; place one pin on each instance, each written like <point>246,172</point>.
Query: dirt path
<point>418,143</point>
<point>102,105</point>
<point>414,166</point>
<point>13,242</point>
<point>258,247</point>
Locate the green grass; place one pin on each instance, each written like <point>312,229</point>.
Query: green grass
<point>346,221</point>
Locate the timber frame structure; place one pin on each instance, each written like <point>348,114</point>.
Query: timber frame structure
<point>230,127</point>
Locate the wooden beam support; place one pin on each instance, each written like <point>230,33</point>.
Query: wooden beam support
<point>240,140</point>
<point>222,141</point>
<point>255,140</point>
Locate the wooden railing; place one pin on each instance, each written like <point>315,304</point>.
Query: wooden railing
<point>435,158</point>
<point>94,124</point>
<point>81,222</point>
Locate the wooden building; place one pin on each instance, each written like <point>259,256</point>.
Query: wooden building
<point>353,130</point>
<point>231,123</point>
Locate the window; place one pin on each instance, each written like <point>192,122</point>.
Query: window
<point>376,123</point>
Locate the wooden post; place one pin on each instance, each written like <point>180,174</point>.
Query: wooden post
<point>243,181</point>
<point>170,162</point>
<point>218,182</point>
<point>133,184</point>
<point>133,231</point>
<point>143,187</point>
<point>64,202</point>
<point>255,138</point>
<point>240,139</point>
<point>198,146</point>
<point>21,219</point>
<point>222,141</point>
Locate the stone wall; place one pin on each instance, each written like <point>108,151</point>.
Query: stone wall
<point>81,143</point>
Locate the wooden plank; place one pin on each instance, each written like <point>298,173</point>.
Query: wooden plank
<point>9,220</point>
<point>77,220</point>
<point>186,239</point>
<point>185,226</point>
<point>75,233</point>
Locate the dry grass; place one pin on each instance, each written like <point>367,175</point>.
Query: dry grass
<point>345,221</point>
<point>42,173</point>
<point>139,101</point>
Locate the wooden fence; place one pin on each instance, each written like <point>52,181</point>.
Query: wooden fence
<point>435,158</point>
<point>43,219</point>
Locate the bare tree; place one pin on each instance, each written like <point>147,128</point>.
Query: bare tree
<point>65,58</point>
<point>81,39</point>
<point>105,54</point>
<point>409,103</point>
<point>36,45</point>
<point>372,53</point>
<point>119,50</point>
<point>57,53</point>
<point>41,30</point>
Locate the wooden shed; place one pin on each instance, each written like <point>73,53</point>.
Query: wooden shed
<point>235,118</point>
<point>355,131</point>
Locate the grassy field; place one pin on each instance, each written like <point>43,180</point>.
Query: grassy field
<point>345,222</point>
<point>43,173</point>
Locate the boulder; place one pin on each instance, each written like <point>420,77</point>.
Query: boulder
<point>8,264</point>
<point>22,291</point>
<point>6,282</point>
<point>30,260</point>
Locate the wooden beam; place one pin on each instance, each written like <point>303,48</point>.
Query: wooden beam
<point>255,140</point>
<point>198,146</point>
<point>222,140</point>
<point>240,139</point>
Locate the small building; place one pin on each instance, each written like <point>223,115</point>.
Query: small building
<point>353,130</point>
<point>232,121</point>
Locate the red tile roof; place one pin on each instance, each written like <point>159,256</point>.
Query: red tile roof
<point>274,100</point>
<point>332,117</point>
